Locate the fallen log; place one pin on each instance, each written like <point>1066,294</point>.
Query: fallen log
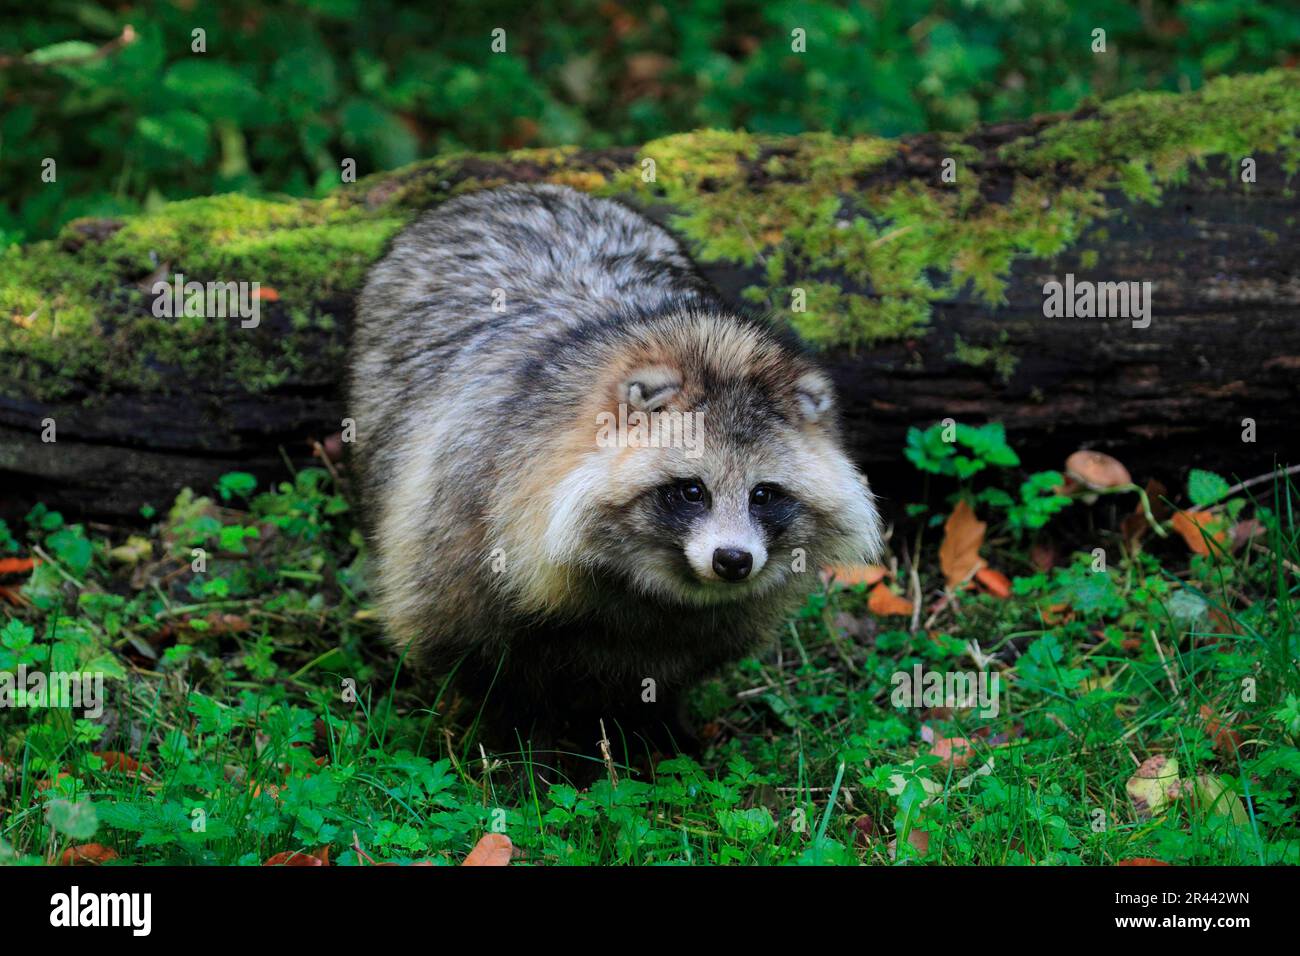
<point>920,268</point>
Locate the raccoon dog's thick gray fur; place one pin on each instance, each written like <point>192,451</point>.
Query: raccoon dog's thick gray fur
<point>520,538</point>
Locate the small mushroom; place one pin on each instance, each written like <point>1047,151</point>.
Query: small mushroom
<point>1097,471</point>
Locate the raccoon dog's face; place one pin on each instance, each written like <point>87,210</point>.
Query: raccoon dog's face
<point>719,475</point>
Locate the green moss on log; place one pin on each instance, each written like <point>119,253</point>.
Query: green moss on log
<point>897,239</point>
<point>854,239</point>
<point>79,308</point>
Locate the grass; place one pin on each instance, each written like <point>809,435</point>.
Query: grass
<point>251,708</point>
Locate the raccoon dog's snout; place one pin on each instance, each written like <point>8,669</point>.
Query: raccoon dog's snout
<point>732,564</point>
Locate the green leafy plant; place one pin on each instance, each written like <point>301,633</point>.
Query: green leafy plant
<point>285,89</point>
<point>960,451</point>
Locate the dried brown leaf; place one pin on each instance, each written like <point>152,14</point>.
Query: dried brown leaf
<point>963,534</point>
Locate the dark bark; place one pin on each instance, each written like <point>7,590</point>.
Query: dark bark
<point>1223,345</point>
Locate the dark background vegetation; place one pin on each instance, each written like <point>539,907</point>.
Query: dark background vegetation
<point>286,89</point>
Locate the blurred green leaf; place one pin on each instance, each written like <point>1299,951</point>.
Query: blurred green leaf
<point>178,132</point>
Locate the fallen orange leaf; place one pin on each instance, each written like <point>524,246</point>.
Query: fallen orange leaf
<point>885,603</point>
<point>955,752</point>
<point>298,858</point>
<point>959,554</point>
<point>848,575</point>
<point>995,582</point>
<point>88,854</point>
<point>494,849</point>
<point>918,840</point>
<point>116,760</point>
<point>1195,527</point>
<point>16,565</point>
<point>1055,614</point>
<point>1226,740</point>
<point>1142,861</point>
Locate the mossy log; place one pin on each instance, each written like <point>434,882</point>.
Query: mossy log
<point>916,266</point>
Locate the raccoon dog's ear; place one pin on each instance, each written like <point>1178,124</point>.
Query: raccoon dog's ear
<point>649,387</point>
<point>815,395</point>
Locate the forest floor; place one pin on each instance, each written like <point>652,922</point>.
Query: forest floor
<point>1138,698</point>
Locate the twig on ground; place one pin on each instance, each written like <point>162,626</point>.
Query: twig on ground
<point>1269,551</point>
<point>57,567</point>
<point>755,691</point>
<point>607,755</point>
<point>1169,672</point>
<point>1249,483</point>
<point>318,451</point>
<point>356,845</point>
<point>916,597</point>
<point>1060,723</point>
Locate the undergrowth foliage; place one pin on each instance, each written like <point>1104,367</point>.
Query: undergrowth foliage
<point>1147,699</point>
<point>280,90</point>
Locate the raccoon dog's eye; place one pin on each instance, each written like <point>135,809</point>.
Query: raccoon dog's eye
<point>764,495</point>
<point>691,491</point>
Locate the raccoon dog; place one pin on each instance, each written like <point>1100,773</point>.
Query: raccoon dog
<point>587,481</point>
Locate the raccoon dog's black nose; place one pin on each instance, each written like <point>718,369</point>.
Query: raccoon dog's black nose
<point>732,564</point>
